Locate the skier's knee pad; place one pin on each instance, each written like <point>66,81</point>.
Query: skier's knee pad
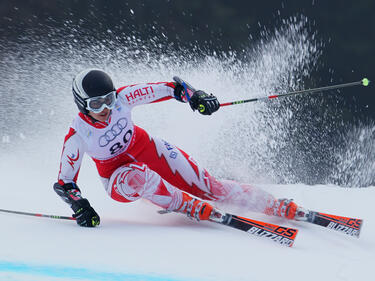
<point>129,182</point>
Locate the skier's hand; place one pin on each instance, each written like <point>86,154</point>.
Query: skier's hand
<point>85,214</point>
<point>206,104</point>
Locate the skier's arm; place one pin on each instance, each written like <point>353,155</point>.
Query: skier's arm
<point>71,157</point>
<point>146,93</point>
<point>66,186</point>
<point>155,92</point>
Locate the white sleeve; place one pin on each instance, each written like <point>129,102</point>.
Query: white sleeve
<point>71,157</point>
<point>146,93</point>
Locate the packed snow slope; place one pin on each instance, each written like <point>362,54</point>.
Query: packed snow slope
<point>275,145</point>
<point>134,242</point>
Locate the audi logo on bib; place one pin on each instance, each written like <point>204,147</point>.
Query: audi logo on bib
<point>112,133</point>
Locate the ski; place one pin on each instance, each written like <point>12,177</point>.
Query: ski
<point>276,233</point>
<point>349,226</point>
<point>279,234</point>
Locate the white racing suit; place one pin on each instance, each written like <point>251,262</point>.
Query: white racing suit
<point>134,165</point>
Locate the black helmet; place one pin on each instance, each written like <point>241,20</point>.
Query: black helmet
<point>88,84</point>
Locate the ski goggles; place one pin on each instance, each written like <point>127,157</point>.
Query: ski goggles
<point>97,104</point>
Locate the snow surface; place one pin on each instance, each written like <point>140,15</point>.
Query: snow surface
<point>241,142</point>
<point>134,242</point>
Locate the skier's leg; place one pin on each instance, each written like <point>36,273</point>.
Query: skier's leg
<point>244,196</point>
<point>173,165</point>
<point>179,169</point>
<point>133,181</point>
<point>252,198</point>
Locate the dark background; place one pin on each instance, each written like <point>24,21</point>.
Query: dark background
<point>346,28</point>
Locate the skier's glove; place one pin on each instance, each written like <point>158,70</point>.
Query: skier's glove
<point>206,104</point>
<point>179,92</point>
<point>85,214</point>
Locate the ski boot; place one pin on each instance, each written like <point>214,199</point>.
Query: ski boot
<point>286,208</point>
<point>195,208</point>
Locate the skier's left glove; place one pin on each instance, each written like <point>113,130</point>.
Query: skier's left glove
<point>179,92</point>
<point>206,104</point>
<point>85,214</point>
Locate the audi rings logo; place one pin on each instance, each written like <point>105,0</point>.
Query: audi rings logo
<point>115,131</point>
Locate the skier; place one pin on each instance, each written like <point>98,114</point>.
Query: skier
<point>133,165</point>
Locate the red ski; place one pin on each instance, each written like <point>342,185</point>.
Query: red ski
<point>279,234</point>
<point>349,226</point>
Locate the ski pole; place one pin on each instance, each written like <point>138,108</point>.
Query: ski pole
<point>37,215</point>
<point>363,82</point>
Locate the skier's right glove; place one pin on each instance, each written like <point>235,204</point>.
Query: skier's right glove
<point>85,214</point>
